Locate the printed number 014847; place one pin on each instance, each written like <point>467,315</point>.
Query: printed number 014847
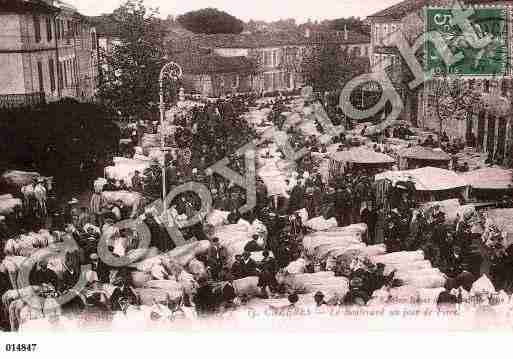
<point>20,347</point>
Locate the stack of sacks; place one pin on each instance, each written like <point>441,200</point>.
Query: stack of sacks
<point>274,179</point>
<point>26,244</point>
<point>8,204</point>
<point>129,199</point>
<point>412,269</point>
<point>14,264</point>
<point>334,288</point>
<point>421,282</point>
<point>99,183</point>
<point>217,217</point>
<point>124,169</point>
<point>17,179</point>
<point>234,238</point>
<point>150,140</point>
<point>179,264</point>
<point>452,209</point>
<point>337,241</point>
<point>321,224</point>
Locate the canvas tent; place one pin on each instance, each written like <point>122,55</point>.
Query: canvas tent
<point>430,183</point>
<point>363,156</point>
<point>489,183</point>
<point>419,156</point>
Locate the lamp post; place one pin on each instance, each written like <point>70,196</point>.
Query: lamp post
<point>174,72</point>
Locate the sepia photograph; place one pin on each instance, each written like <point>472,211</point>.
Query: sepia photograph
<point>227,166</point>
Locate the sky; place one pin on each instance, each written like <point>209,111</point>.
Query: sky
<point>268,10</point>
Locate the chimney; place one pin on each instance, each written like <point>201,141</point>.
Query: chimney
<point>307,32</point>
<point>346,35</point>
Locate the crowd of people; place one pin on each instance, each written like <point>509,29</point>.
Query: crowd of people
<point>208,133</point>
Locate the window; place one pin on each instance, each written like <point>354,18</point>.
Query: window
<point>40,76</point>
<point>487,86</point>
<point>52,74</point>
<point>37,28</point>
<point>75,66</point>
<point>93,41</point>
<point>64,71</point>
<point>267,58</point>
<point>49,36</point>
<point>287,79</point>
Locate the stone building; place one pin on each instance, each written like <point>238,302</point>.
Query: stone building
<point>47,52</point>
<point>277,54</point>
<point>488,120</point>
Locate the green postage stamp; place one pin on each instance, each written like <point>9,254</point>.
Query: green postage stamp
<point>488,60</point>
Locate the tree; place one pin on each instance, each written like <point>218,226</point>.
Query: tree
<point>452,99</point>
<point>66,139</point>
<point>351,23</point>
<point>130,79</point>
<point>211,21</point>
<point>327,67</point>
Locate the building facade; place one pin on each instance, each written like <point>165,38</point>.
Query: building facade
<point>278,57</point>
<point>486,124</point>
<point>47,53</point>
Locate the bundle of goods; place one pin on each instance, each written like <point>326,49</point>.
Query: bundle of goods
<point>321,224</point>
<point>421,283</point>
<point>99,183</point>
<point>334,288</point>
<point>235,237</point>
<point>124,169</point>
<point>172,264</point>
<point>336,241</point>
<point>452,209</point>
<point>8,204</point>
<point>25,244</point>
<point>149,140</point>
<point>15,179</point>
<point>128,198</point>
<point>217,217</point>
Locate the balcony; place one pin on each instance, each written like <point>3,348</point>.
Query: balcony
<point>21,100</point>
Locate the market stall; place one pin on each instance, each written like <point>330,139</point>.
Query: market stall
<point>428,183</point>
<point>360,158</point>
<point>490,183</point>
<point>418,156</point>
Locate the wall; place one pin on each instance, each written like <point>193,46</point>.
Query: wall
<point>11,74</point>
<point>231,52</point>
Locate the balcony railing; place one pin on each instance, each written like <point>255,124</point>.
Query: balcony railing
<point>20,100</point>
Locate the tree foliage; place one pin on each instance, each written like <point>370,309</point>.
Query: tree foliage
<point>327,67</point>
<point>351,23</point>
<point>129,83</point>
<point>211,21</point>
<point>66,139</point>
<point>453,99</point>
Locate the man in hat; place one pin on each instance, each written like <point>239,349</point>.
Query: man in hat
<point>216,258</point>
<point>137,182</point>
<point>237,270</point>
<point>267,274</point>
<point>42,275</point>
<point>249,266</point>
<point>319,300</point>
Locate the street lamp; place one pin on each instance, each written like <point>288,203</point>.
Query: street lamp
<point>174,72</point>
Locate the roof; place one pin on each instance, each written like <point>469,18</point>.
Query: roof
<point>489,178</point>
<point>400,10</point>
<point>427,178</point>
<point>27,6</point>
<point>210,64</point>
<point>104,25</point>
<point>275,39</point>
<point>424,153</point>
<point>361,155</point>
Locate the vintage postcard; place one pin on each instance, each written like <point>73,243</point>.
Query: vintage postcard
<point>229,166</point>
